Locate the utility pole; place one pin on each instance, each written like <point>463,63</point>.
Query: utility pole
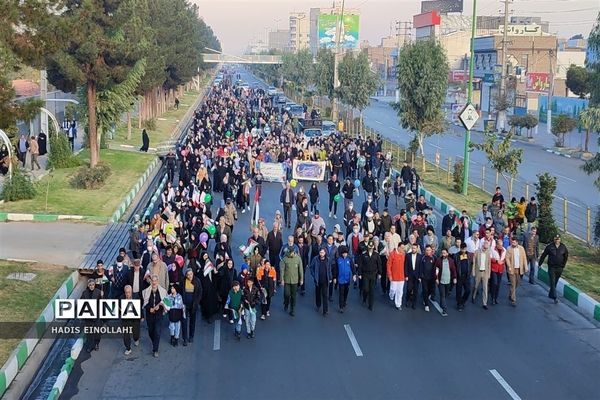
<point>550,93</point>
<point>43,97</point>
<point>336,56</point>
<point>501,118</point>
<point>467,153</point>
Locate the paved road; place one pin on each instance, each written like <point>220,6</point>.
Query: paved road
<point>541,350</point>
<point>572,182</point>
<point>61,243</point>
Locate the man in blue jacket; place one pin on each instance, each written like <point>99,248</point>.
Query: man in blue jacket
<point>320,270</point>
<point>343,273</point>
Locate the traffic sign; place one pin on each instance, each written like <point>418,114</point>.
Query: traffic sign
<point>468,116</point>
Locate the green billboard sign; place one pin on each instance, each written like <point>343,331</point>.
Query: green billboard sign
<point>349,32</point>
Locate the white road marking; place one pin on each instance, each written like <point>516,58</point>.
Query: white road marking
<point>505,385</point>
<point>353,340</point>
<point>217,336</point>
<point>394,129</point>
<point>378,122</point>
<point>436,146</point>
<point>436,305</point>
<point>564,177</point>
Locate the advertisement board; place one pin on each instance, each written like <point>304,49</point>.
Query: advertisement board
<point>308,170</point>
<point>348,35</point>
<point>537,82</point>
<point>272,172</point>
<point>443,6</point>
<point>458,75</point>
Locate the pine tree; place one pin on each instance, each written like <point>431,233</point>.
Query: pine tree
<point>545,187</point>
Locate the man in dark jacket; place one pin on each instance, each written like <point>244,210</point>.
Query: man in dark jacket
<point>92,339</point>
<point>119,278</point>
<point>428,276</point>
<point>531,213</point>
<point>412,272</point>
<point>303,251</point>
<point>463,276</point>
<point>369,270</point>
<point>368,183</point>
<point>287,199</point>
<point>558,255</point>
<point>136,279</point>
<point>274,245</point>
<point>333,188</point>
<point>191,292</point>
<point>448,222</point>
<point>320,269</point>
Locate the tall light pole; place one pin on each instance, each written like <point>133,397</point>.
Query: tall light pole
<point>465,183</point>
<point>336,79</point>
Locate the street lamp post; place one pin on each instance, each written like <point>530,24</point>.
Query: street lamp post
<point>465,182</point>
<point>336,79</point>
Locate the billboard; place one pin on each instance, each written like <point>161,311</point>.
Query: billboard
<point>537,82</point>
<point>443,6</point>
<point>349,31</point>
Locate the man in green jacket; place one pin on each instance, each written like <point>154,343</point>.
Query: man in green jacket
<point>292,275</point>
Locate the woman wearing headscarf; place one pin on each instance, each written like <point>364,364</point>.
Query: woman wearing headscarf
<point>210,304</point>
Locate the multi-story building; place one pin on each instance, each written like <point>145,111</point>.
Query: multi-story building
<point>279,40</point>
<point>525,56</point>
<point>299,32</point>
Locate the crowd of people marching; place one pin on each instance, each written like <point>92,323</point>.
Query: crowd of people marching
<point>182,261</point>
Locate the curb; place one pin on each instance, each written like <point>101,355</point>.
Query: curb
<point>133,192</point>
<point>65,371</point>
<point>587,306</point>
<point>24,349</point>
<point>558,153</point>
<point>155,197</point>
<point>16,217</point>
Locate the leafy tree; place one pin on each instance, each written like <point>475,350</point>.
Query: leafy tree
<point>590,120</point>
<point>423,81</point>
<point>578,80</point>
<point>502,157</point>
<point>323,73</point>
<point>297,69</point>
<point>357,81</point>
<point>593,65</point>
<point>561,125</point>
<point>20,36</point>
<point>545,187</point>
<point>102,42</point>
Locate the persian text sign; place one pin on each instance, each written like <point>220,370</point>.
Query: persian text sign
<point>537,82</point>
<point>271,172</point>
<point>309,170</point>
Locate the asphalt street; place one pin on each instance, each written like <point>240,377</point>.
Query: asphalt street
<point>572,183</point>
<point>540,351</point>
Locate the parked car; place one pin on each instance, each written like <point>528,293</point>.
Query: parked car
<point>328,128</point>
<point>295,110</point>
<point>272,91</point>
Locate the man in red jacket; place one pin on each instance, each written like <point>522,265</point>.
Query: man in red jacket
<point>445,275</point>
<point>395,272</point>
